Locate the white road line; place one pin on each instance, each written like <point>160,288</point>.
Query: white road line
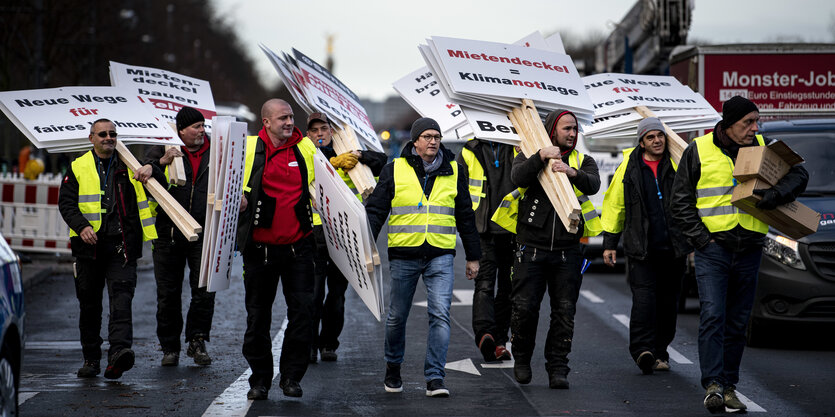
<point>591,296</point>
<point>232,402</point>
<point>752,406</point>
<point>23,396</point>
<point>461,298</point>
<point>675,355</point>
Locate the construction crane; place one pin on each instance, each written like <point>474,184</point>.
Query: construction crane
<point>642,41</point>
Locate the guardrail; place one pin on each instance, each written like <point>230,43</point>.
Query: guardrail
<point>29,217</point>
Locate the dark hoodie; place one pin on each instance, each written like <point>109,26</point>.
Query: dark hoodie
<point>538,225</point>
<point>379,205</point>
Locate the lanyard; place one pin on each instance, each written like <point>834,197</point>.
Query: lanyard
<point>495,155</point>
<point>106,174</point>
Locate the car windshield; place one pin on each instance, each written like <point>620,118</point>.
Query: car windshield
<point>818,149</point>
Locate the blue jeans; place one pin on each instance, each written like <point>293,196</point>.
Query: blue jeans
<point>438,277</point>
<point>727,282</point>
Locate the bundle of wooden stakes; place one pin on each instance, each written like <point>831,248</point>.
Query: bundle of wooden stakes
<point>179,216</point>
<point>556,185</point>
<point>345,140</point>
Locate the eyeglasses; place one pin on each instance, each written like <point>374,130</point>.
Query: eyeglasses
<point>431,138</point>
<point>104,133</point>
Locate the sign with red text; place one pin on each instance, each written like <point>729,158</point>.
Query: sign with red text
<point>787,81</point>
<point>421,90</point>
<point>59,119</point>
<point>348,235</point>
<point>505,71</point>
<point>166,92</point>
<point>612,93</point>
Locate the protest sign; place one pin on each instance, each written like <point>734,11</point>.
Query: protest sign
<point>226,165</point>
<point>346,231</point>
<point>60,118</point>
<point>166,92</point>
<point>421,90</point>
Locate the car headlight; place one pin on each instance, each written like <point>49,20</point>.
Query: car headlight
<point>784,250</point>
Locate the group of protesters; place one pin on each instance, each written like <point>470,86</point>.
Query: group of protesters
<point>490,194</point>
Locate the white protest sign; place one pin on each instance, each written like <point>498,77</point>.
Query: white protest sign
<point>492,126</point>
<point>346,231</point>
<point>503,70</point>
<point>63,116</point>
<point>166,91</point>
<point>226,166</point>
<point>617,92</point>
<point>288,78</point>
<point>330,95</point>
<point>421,90</point>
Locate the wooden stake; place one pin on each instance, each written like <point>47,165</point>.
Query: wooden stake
<point>179,216</point>
<point>675,143</point>
<point>345,140</point>
<point>559,190</point>
<point>176,171</point>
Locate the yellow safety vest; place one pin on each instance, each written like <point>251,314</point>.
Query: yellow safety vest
<point>506,215</point>
<point>414,219</point>
<point>715,187</point>
<point>478,179</point>
<point>89,196</point>
<point>612,215</point>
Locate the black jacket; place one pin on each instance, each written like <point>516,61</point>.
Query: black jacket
<point>128,212</point>
<point>246,218</point>
<point>498,183</point>
<point>192,196</point>
<point>538,225</point>
<point>686,214</point>
<point>378,206</point>
<point>638,188</point>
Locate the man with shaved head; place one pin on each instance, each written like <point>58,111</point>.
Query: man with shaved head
<point>276,241</point>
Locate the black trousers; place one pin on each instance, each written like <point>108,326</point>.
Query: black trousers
<point>655,283</point>
<point>534,270</point>
<point>332,312</point>
<point>491,299</point>
<point>170,259</point>
<point>91,275</point>
<point>264,265</point>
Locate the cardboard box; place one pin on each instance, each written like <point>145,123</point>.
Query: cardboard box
<point>793,219</point>
<point>768,163</point>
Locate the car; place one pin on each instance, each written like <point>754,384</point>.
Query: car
<point>11,324</point>
<point>796,283</point>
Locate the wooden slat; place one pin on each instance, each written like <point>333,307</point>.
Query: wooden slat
<point>176,171</point>
<point>179,216</point>
<point>345,140</point>
<point>675,143</point>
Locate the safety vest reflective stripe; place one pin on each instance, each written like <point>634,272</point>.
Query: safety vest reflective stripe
<point>590,216</point>
<point>149,221</point>
<point>714,191</point>
<point>92,217</point>
<point>89,198</point>
<point>443,230</point>
<point>475,183</point>
<point>449,211</point>
<point>715,187</point>
<point>143,204</point>
<point>716,211</point>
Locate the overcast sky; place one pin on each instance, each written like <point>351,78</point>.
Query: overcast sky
<point>376,41</point>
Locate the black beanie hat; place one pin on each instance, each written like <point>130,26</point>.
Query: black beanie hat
<point>423,124</point>
<point>735,109</point>
<point>188,116</point>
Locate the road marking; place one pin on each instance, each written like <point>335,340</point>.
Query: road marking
<point>464,365</point>
<point>591,296</point>
<point>462,298</point>
<point>752,406</point>
<point>675,355</point>
<point>233,402</point>
<point>497,365</point>
<point>23,396</point>
<point>54,345</point>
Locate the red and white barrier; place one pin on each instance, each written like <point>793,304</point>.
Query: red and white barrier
<point>29,217</point>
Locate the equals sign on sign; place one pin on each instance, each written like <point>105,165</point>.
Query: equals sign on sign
<point>513,71</point>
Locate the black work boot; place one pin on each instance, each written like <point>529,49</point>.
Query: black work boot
<point>197,351</point>
<point>522,371</point>
<point>90,369</point>
<point>393,383</point>
<point>557,380</point>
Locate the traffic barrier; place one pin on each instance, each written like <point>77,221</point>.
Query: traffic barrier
<point>29,217</point>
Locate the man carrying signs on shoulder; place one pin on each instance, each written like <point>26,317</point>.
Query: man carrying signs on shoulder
<point>728,243</point>
<point>488,164</point>
<point>426,192</point>
<point>547,254</point>
<point>332,312</point>
<point>106,208</point>
<point>276,240</point>
<point>637,206</point>
<point>172,251</point>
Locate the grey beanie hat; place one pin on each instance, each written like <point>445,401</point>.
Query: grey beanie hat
<point>423,124</point>
<point>647,125</point>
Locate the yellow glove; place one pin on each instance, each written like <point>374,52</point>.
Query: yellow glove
<point>33,168</point>
<point>346,161</point>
